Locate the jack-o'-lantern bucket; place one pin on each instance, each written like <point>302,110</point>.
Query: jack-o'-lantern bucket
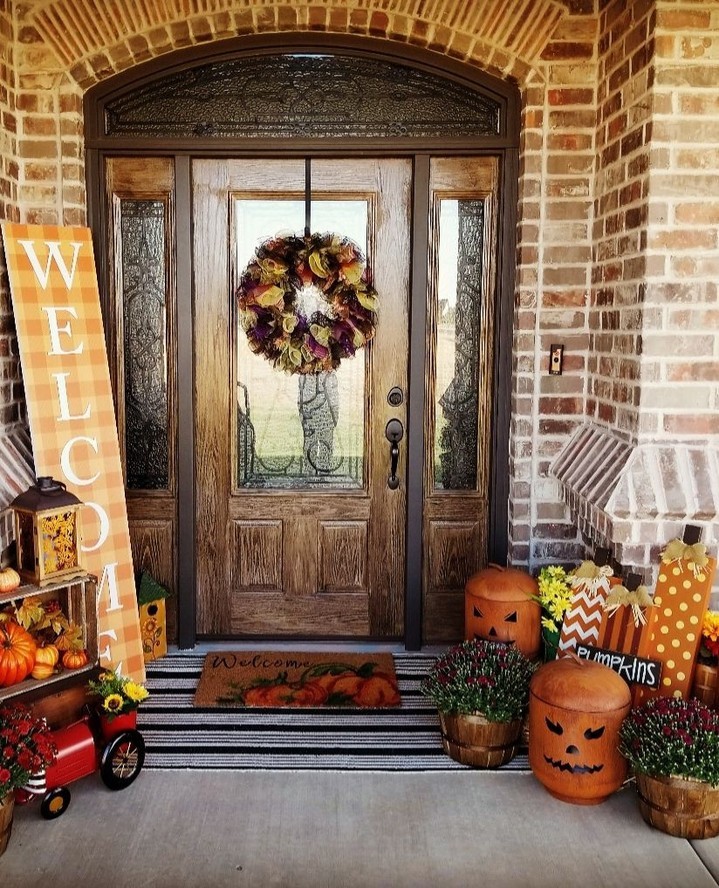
<point>576,708</point>
<point>499,607</point>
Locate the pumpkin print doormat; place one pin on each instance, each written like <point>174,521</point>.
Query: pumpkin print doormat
<point>284,678</point>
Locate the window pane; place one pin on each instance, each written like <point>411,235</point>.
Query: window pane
<point>144,308</point>
<point>458,312</point>
<point>298,431</point>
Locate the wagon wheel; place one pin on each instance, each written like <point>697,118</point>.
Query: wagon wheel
<point>55,802</point>
<point>122,759</point>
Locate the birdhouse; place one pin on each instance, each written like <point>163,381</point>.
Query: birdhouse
<point>576,708</point>
<point>47,532</point>
<point>500,606</point>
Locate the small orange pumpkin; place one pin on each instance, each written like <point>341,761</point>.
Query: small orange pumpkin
<point>75,659</point>
<point>9,579</point>
<point>46,658</point>
<point>17,653</point>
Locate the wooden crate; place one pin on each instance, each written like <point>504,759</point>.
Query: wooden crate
<point>78,600</point>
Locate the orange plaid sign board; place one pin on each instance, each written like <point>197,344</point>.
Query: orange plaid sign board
<point>56,304</point>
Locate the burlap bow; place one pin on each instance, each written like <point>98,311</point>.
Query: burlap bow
<point>638,599</point>
<point>590,578</point>
<point>695,556</point>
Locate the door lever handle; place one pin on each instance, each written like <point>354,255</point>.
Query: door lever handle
<point>394,432</point>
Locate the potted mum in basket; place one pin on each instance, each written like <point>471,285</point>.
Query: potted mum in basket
<point>672,745</point>
<point>481,689</point>
<point>119,698</point>
<point>26,748</point>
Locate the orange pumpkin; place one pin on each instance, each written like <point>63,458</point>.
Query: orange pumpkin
<point>377,690</point>
<point>576,708</point>
<point>499,607</point>
<point>9,579</point>
<point>75,659</point>
<point>46,658</point>
<point>17,653</point>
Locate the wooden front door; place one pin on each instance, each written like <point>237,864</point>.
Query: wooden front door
<point>297,530</point>
<point>292,528</point>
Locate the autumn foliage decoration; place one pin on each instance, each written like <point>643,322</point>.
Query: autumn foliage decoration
<point>306,303</point>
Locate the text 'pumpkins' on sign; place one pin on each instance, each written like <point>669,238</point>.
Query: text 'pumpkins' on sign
<point>56,304</point>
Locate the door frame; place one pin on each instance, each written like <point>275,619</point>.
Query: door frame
<point>504,146</point>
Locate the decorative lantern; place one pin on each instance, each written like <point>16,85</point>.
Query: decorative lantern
<point>47,532</point>
<point>576,708</point>
<point>499,606</point>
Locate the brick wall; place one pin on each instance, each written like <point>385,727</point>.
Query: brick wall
<point>554,267</point>
<point>617,245</point>
<point>620,213</point>
<point>680,355</point>
<point>10,394</point>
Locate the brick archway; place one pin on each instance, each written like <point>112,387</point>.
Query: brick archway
<point>91,41</point>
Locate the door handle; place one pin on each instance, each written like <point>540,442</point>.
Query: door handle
<point>394,432</point>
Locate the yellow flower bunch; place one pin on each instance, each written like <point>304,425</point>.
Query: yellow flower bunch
<point>117,694</point>
<point>710,634</point>
<point>555,595</point>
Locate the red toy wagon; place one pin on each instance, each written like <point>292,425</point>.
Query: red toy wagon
<point>115,748</point>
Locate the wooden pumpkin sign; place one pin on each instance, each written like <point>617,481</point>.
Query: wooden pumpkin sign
<point>499,607</point>
<point>576,708</point>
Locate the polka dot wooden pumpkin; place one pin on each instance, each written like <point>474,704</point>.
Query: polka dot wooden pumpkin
<point>576,708</point>
<point>499,607</point>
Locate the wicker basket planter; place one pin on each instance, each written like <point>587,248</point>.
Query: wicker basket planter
<point>706,683</point>
<point>7,807</point>
<point>474,741</point>
<point>688,809</point>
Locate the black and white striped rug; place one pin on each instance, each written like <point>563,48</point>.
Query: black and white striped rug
<point>179,735</point>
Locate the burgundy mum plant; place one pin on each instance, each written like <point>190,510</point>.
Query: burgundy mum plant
<point>485,677</point>
<point>671,737</point>
<point>26,747</point>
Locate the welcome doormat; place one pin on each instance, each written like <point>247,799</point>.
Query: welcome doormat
<point>278,679</point>
<point>181,736</point>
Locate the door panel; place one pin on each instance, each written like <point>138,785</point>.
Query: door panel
<point>285,544</point>
<point>458,395</point>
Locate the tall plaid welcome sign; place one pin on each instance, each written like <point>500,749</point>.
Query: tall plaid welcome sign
<point>56,304</point>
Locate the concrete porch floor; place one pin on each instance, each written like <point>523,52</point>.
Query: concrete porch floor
<point>345,830</point>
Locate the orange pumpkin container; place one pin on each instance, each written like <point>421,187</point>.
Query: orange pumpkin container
<point>576,708</point>
<point>498,606</point>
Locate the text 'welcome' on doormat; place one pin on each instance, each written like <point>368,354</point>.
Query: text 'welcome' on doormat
<point>284,678</point>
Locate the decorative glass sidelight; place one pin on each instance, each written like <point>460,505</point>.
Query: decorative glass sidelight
<point>298,431</point>
<point>144,315</point>
<point>460,275</point>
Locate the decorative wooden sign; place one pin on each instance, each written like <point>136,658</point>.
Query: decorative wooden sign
<point>590,584</point>
<point>56,305</point>
<point>625,615</point>
<point>673,630</point>
<point>634,670</point>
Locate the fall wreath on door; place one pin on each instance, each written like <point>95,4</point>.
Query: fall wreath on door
<point>306,303</point>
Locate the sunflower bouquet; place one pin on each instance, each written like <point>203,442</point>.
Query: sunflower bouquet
<point>117,694</point>
<point>555,596</point>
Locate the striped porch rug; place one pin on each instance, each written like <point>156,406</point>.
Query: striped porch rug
<point>179,735</point>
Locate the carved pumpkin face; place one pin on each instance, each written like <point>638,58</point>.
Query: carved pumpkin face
<point>574,751</point>
<point>498,607</point>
